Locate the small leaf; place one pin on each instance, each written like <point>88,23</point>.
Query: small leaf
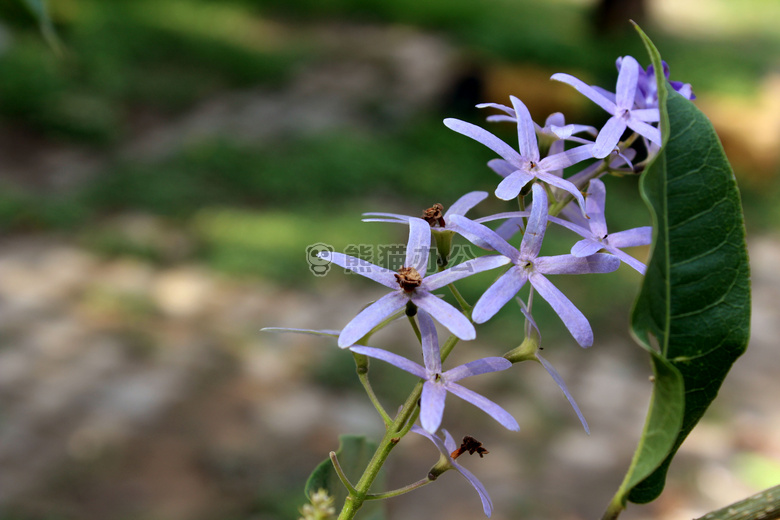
<point>693,311</point>
<point>354,453</point>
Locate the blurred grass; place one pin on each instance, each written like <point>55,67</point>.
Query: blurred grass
<point>160,54</point>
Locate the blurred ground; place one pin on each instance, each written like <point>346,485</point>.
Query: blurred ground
<point>134,382</point>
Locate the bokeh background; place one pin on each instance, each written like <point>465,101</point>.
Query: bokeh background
<point>165,163</point>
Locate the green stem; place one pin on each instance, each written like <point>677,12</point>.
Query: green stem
<point>400,491</point>
<point>400,425</point>
<point>614,509</point>
<point>415,328</point>
<point>340,472</point>
<point>461,300</point>
<point>373,398</point>
<point>356,498</point>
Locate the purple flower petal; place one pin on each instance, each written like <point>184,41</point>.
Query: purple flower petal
<point>628,259</point>
<point>510,187</point>
<point>586,247</point>
<point>648,115</point>
<point>640,236</point>
<point>501,167</point>
<point>562,385</point>
<point>650,132</point>
<point>394,359</point>
<point>371,316</point>
<point>418,248</point>
<point>626,83</point>
<point>564,185</point>
<point>449,442</point>
<point>487,504</point>
<point>572,318</point>
<point>609,136</point>
<point>430,344</point>
<point>526,131</point>
<point>384,217</point>
<point>483,136</point>
<point>555,119</point>
<point>321,332</point>
<point>537,224</point>
<point>362,267</point>
<point>474,232</point>
<point>479,366</point>
<point>498,294</point>
<point>506,215</point>
<point>586,90</point>
<point>486,405</point>
<point>432,405</point>
<point>510,227</point>
<point>467,268</point>
<point>568,158</point>
<point>510,112</point>
<point>595,207</point>
<point>574,221</point>
<point>570,264</point>
<point>447,447</point>
<point>445,314</point>
<point>465,203</point>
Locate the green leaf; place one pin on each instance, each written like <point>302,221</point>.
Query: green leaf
<point>354,453</point>
<point>693,311</point>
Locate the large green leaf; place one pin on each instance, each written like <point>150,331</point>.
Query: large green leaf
<point>693,311</point>
<point>354,453</point>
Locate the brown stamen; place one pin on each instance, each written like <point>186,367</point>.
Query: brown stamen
<point>471,445</point>
<point>434,215</point>
<point>408,278</point>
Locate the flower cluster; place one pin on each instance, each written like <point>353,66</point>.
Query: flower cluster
<point>533,175</point>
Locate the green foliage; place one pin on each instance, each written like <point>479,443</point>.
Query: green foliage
<point>693,312</point>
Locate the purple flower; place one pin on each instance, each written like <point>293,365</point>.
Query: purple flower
<point>647,86</point>
<point>555,127</point>
<point>437,220</point>
<point>438,383</point>
<point>527,164</point>
<point>594,230</point>
<point>446,447</point>
<point>410,284</point>
<point>622,108</point>
<point>528,266</point>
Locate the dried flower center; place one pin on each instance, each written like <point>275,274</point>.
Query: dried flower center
<point>408,278</point>
<point>434,215</point>
<point>471,445</point>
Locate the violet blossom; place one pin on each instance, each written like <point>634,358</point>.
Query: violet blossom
<point>622,108</point>
<point>438,383</point>
<point>594,230</point>
<point>436,219</point>
<point>527,164</point>
<point>446,448</point>
<point>528,266</point>
<point>647,86</point>
<point>410,285</point>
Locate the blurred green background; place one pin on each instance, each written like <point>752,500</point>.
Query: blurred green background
<point>165,163</point>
